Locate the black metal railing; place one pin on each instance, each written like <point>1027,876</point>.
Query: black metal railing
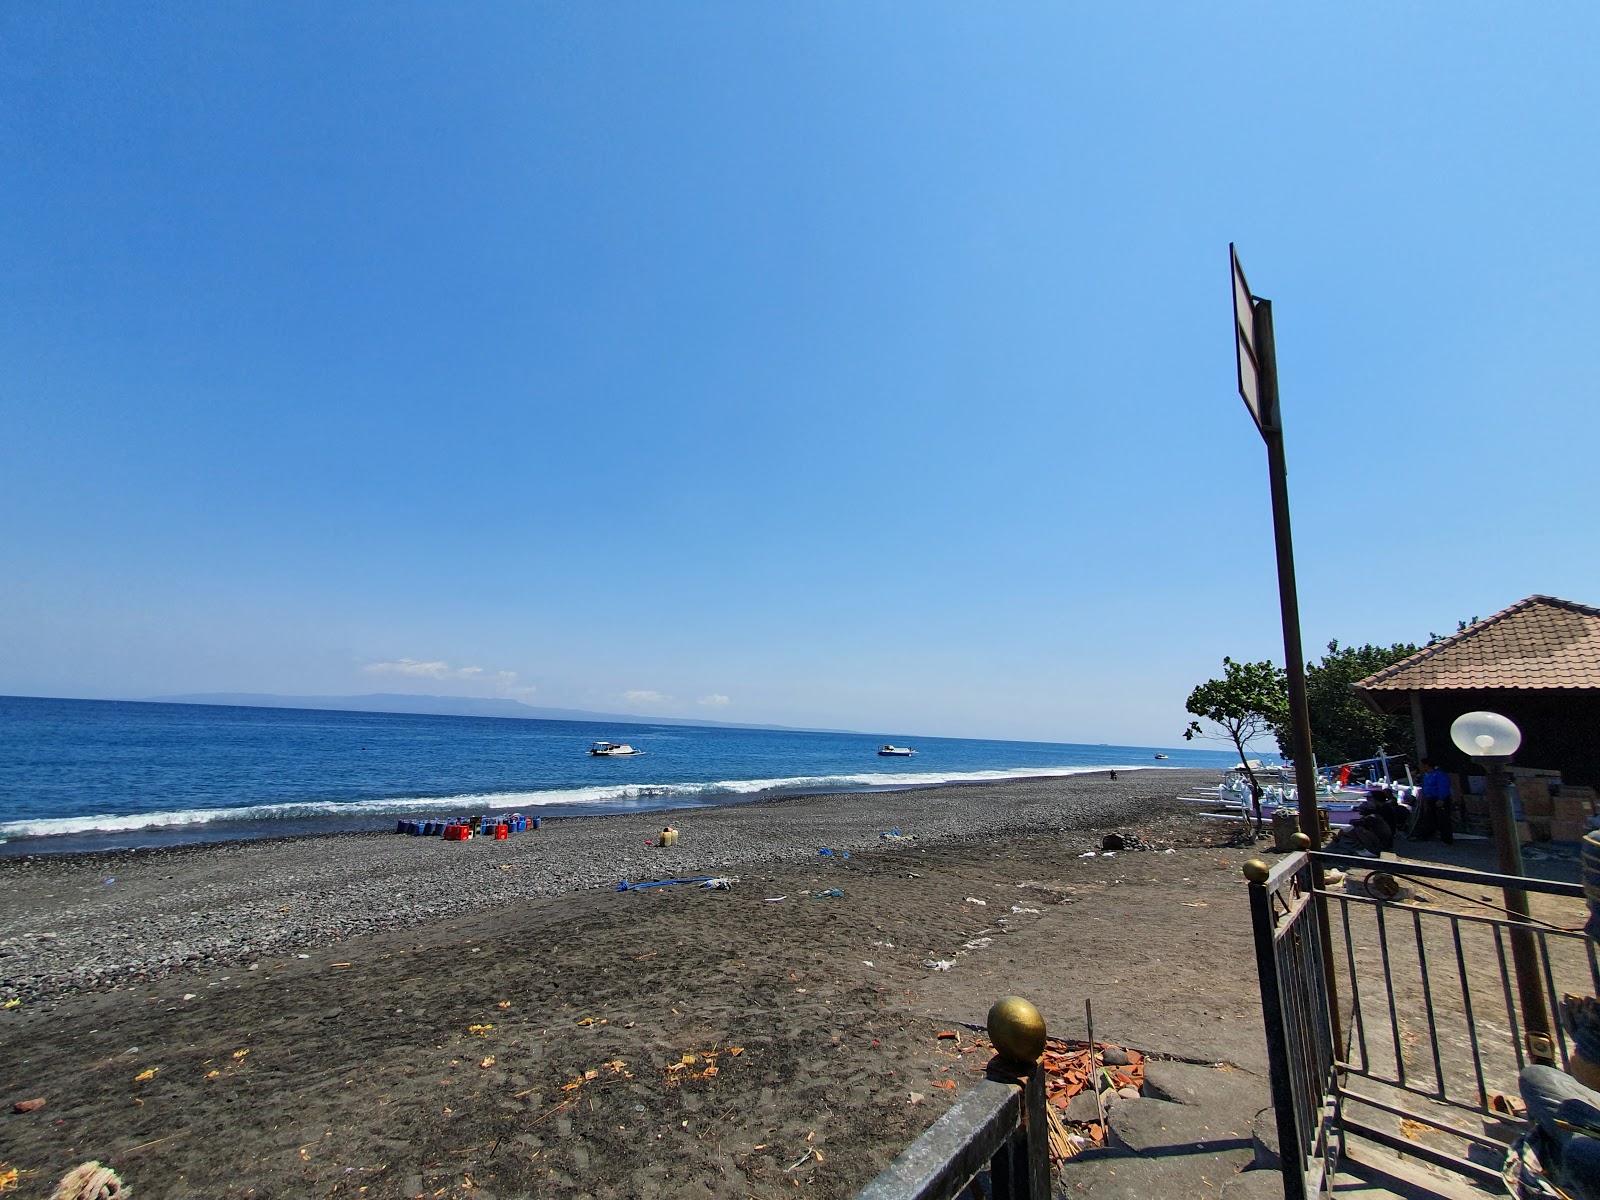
<point>1296,1005</point>
<point>1437,1024</point>
<point>1435,1014</point>
<point>998,1127</point>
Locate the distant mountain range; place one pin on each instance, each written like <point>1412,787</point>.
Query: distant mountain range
<point>455,706</point>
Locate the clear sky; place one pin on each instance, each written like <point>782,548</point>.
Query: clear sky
<point>859,364</point>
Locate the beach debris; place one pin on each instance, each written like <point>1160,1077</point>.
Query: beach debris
<point>503,1004</point>
<point>774,899</point>
<point>684,1068</point>
<point>1018,908</point>
<point>830,893</point>
<point>27,1106</point>
<point>484,1030</point>
<point>949,1035</point>
<point>485,1063</point>
<point>12,1004</point>
<point>1127,841</point>
<point>978,943</point>
<point>188,995</point>
<point>975,900</point>
<point>625,886</point>
<point>946,1084</point>
<point>915,1098</point>
<point>885,945</point>
<point>1194,903</point>
<point>826,853</point>
<point>938,964</point>
<point>90,1181</point>
<point>1087,854</point>
<point>146,1075</point>
<point>721,883</point>
<point>866,963</point>
<point>804,1159</point>
<point>8,1178</point>
<point>592,1021</point>
<point>240,1055</point>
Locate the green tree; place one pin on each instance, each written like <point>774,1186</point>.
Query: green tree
<point>1247,703</point>
<point>1343,728</point>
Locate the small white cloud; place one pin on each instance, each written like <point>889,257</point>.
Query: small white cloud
<point>646,696</point>
<point>505,682</point>
<point>411,667</point>
<point>715,700</point>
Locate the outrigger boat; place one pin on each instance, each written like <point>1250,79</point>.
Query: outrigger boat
<point>1337,794</point>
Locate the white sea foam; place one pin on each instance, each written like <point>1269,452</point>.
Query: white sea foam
<point>508,801</point>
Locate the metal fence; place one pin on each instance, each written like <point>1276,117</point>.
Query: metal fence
<point>1296,1003</point>
<point>1431,1025</point>
<point>998,1127</point>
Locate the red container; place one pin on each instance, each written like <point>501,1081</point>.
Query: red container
<point>502,832</point>
<point>455,833</point>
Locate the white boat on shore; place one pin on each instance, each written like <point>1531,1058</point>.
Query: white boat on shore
<point>1341,801</point>
<point>895,751</point>
<point>612,749</point>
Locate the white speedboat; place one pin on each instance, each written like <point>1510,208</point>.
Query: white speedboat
<point>895,751</point>
<point>612,749</point>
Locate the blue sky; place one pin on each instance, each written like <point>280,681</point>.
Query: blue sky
<point>859,364</point>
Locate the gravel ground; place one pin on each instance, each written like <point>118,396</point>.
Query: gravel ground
<point>94,922</point>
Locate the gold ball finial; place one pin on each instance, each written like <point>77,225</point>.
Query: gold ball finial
<point>1016,1029</point>
<point>1300,842</point>
<point>1256,871</point>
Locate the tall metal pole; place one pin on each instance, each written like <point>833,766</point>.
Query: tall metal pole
<point>1305,766</point>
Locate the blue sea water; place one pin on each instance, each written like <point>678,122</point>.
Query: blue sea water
<point>95,774</point>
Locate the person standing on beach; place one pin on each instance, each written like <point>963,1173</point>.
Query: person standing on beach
<point>1436,816</point>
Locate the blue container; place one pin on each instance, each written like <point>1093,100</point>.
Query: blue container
<point>538,822</point>
<point>399,826</point>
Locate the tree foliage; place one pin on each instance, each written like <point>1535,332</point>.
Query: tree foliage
<point>1247,703</point>
<point>1343,728</point>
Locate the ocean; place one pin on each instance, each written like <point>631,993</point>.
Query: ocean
<point>78,775</point>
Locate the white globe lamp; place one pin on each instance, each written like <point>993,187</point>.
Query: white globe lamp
<point>1485,735</point>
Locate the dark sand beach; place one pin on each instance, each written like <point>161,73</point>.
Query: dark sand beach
<point>387,1016</point>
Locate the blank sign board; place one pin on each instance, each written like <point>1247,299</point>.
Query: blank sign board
<point>1244,338</point>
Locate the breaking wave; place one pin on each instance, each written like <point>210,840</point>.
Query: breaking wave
<point>598,799</point>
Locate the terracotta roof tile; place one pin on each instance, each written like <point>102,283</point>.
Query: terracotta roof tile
<point>1540,642</point>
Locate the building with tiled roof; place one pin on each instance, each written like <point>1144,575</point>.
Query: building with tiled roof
<point>1537,662</point>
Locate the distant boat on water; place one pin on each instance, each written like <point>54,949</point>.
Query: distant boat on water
<point>612,749</point>
<point>895,751</point>
<point>1161,756</point>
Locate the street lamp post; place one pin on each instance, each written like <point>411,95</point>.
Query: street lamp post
<point>1490,740</point>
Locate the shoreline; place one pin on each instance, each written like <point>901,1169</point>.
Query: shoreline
<point>189,835</point>
<point>100,920</point>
